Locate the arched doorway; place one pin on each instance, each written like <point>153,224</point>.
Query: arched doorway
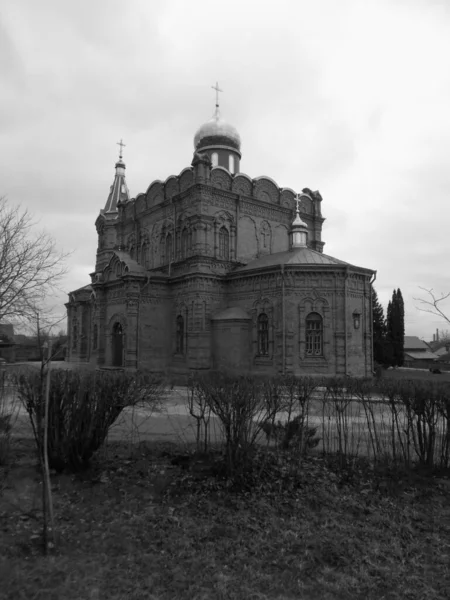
<point>117,345</point>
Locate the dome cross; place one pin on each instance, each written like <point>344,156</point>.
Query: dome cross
<point>122,146</point>
<point>217,88</point>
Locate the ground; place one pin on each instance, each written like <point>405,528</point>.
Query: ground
<point>137,526</point>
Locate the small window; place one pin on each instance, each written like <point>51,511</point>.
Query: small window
<point>224,243</point>
<point>95,338</point>
<point>231,163</point>
<point>263,334</point>
<point>184,243</point>
<point>169,248</point>
<point>180,335</point>
<point>144,255</point>
<point>215,159</point>
<point>314,335</point>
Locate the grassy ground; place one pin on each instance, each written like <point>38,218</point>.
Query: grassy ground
<point>135,526</point>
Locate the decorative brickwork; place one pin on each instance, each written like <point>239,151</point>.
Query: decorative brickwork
<point>197,274</point>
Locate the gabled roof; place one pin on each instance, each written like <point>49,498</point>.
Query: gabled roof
<point>441,351</point>
<point>134,268</point>
<point>421,355</point>
<point>412,342</point>
<point>298,256</point>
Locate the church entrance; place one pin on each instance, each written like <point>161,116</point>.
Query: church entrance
<point>117,345</point>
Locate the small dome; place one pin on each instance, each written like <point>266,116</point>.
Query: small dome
<point>297,222</point>
<point>216,131</point>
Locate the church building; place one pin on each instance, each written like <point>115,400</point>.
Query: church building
<point>211,269</point>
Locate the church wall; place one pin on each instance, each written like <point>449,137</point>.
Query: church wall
<point>154,334</point>
<point>359,338</point>
<point>115,312</point>
<point>345,349</point>
<point>231,345</point>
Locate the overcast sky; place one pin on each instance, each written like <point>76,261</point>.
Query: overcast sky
<point>351,98</point>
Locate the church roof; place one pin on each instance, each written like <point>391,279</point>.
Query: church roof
<point>298,256</point>
<point>84,288</point>
<point>134,268</point>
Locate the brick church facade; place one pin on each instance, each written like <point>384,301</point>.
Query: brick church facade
<point>211,269</point>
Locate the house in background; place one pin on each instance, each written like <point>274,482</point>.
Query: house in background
<point>7,344</point>
<point>417,353</point>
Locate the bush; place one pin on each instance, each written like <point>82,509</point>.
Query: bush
<point>292,434</point>
<point>242,405</point>
<point>82,407</point>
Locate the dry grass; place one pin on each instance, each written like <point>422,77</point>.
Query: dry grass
<point>135,526</point>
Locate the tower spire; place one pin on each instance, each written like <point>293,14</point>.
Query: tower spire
<point>119,190</point>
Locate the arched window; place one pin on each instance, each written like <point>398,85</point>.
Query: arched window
<point>74,336</point>
<point>184,243</point>
<point>180,335</point>
<point>224,243</point>
<point>168,248</point>
<point>314,335</point>
<point>117,345</point>
<point>263,334</point>
<point>162,243</point>
<point>214,159</point>
<point>231,163</point>
<point>95,338</point>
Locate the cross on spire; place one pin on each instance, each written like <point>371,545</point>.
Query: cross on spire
<point>217,88</point>
<point>122,146</point>
<point>297,202</point>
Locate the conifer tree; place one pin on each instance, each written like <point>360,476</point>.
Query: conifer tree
<point>396,329</point>
<point>400,333</point>
<point>379,329</point>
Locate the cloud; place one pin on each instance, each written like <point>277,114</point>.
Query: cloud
<point>350,98</point>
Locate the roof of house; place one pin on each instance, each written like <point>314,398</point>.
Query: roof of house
<point>421,355</point>
<point>412,342</point>
<point>7,329</point>
<point>297,256</point>
<point>441,351</point>
<point>444,357</point>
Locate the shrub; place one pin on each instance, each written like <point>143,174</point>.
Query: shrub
<point>82,407</point>
<point>242,405</point>
<point>292,434</point>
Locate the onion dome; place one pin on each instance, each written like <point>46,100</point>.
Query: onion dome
<point>219,140</point>
<point>217,132</point>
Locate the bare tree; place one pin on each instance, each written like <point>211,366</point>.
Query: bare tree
<point>434,304</point>
<point>30,264</point>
